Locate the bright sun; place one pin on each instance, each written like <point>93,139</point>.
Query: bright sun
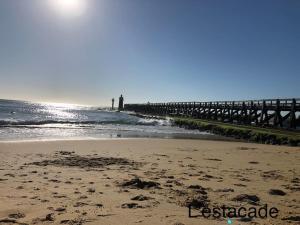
<point>69,8</point>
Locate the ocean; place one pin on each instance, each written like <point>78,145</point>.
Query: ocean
<point>22,120</point>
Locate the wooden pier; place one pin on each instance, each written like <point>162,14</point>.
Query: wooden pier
<point>282,113</point>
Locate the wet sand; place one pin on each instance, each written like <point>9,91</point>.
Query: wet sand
<point>144,181</point>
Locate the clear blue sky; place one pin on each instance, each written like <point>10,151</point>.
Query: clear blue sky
<point>150,50</point>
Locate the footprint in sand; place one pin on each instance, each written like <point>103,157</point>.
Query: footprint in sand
<point>60,209</point>
<point>17,215</point>
<point>131,205</point>
<point>141,198</point>
<point>80,204</point>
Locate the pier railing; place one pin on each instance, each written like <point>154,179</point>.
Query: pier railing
<point>268,112</point>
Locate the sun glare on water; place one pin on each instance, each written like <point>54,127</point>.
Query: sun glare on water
<point>69,8</point>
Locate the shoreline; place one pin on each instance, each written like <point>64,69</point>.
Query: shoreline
<point>206,136</point>
<point>71,140</point>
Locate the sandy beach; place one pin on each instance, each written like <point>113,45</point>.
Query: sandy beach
<point>144,181</point>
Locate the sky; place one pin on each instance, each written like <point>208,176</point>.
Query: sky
<point>90,51</point>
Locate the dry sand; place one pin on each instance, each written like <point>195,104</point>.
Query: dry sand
<point>142,181</point>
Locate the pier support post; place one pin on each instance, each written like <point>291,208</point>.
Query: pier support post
<point>277,116</point>
<point>293,114</point>
<point>264,113</point>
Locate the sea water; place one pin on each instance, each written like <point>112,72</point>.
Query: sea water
<point>21,120</point>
